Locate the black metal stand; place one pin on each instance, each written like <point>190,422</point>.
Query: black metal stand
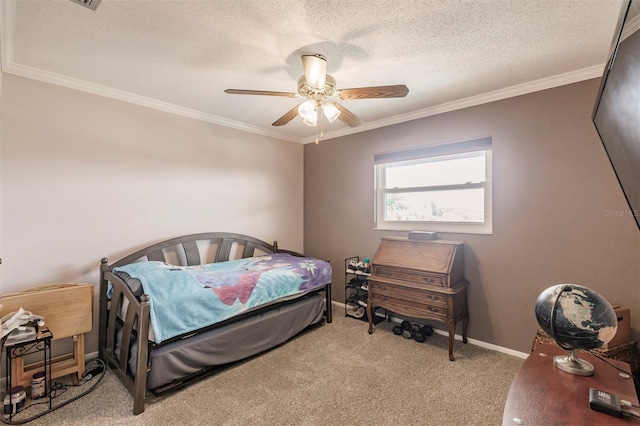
<point>356,294</point>
<point>41,343</point>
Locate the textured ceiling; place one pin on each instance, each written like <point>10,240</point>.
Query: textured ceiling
<point>180,55</point>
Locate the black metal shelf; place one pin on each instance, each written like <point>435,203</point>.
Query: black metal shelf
<point>356,294</point>
<point>41,342</point>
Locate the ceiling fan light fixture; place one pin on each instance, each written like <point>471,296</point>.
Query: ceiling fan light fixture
<point>317,86</point>
<point>311,122</point>
<point>315,70</point>
<point>308,112</point>
<point>330,112</point>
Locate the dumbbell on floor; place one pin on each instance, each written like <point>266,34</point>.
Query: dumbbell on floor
<point>415,331</point>
<point>404,330</point>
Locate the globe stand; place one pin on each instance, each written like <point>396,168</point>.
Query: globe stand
<point>572,364</point>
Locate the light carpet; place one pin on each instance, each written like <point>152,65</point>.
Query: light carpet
<point>332,374</point>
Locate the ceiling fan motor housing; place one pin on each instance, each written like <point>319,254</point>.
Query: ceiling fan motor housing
<point>328,91</point>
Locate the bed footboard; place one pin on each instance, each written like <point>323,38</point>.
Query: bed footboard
<point>136,316</point>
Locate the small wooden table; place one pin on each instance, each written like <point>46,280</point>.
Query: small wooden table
<point>541,394</point>
<point>68,312</point>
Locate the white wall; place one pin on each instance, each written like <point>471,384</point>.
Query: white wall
<point>84,177</point>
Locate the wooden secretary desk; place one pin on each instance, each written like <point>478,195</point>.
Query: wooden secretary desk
<point>421,279</point>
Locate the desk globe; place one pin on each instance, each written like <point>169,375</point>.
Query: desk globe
<point>577,318</point>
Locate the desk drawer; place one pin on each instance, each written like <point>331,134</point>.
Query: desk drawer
<point>437,280</point>
<point>406,293</point>
<point>412,308</point>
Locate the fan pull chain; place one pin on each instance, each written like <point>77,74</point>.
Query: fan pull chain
<point>320,121</point>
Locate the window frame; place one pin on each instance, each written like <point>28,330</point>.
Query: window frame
<point>474,145</point>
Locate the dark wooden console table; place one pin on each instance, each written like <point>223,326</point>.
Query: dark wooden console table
<point>541,394</point>
<point>421,279</point>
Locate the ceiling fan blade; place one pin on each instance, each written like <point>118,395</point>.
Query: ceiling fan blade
<point>261,92</point>
<point>397,91</point>
<point>287,117</point>
<point>315,70</point>
<point>347,116</point>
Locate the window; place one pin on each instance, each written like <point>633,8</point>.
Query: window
<point>443,188</point>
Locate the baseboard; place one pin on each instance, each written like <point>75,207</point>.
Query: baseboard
<point>476,342</point>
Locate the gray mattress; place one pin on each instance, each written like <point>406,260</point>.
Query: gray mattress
<point>232,342</point>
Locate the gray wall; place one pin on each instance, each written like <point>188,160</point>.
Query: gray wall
<point>552,188</point>
<point>84,177</point>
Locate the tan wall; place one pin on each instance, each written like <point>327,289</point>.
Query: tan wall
<point>553,185</point>
<point>85,177</point>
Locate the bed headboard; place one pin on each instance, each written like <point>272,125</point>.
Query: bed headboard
<point>197,249</point>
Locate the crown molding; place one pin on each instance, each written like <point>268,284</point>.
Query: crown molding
<point>595,71</point>
<point>96,89</point>
<point>7,12</point>
<point>509,92</point>
<point>7,19</point>
<point>7,15</point>
<point>630,27</point>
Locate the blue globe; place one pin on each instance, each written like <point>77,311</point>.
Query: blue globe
<point>576,316</point>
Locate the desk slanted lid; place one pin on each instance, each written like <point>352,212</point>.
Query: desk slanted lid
<point>435,256</point>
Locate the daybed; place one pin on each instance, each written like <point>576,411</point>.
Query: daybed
<point>235,278</point>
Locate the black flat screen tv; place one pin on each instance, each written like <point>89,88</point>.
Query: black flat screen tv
<point>617,110</point>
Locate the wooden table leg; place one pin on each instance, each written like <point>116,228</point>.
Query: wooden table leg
<point>452,331</point>
<point>465,324</point>
<point>17,371</point>
<point>78,357</point>
<point>370,317</point>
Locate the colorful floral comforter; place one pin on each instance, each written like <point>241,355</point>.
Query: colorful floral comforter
<point>187,298</point>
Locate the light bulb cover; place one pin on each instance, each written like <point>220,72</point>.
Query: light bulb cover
<point>315,70</point>
<point>311,121</point>
<point>307,110</point>
<point>330,111</point>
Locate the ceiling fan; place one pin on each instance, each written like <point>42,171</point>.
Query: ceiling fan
<point>319,88</point>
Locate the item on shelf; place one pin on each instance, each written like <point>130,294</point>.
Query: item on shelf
<point>14,400</point>
<point>37,385</point>
<point>21,334</point>
<point>352,268</point>
<point>355,311</point>
<point>352,298</point>
<point>357,299</point>
<point>357,281</point>
<point>423,235</point>
<point>361,269</point>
